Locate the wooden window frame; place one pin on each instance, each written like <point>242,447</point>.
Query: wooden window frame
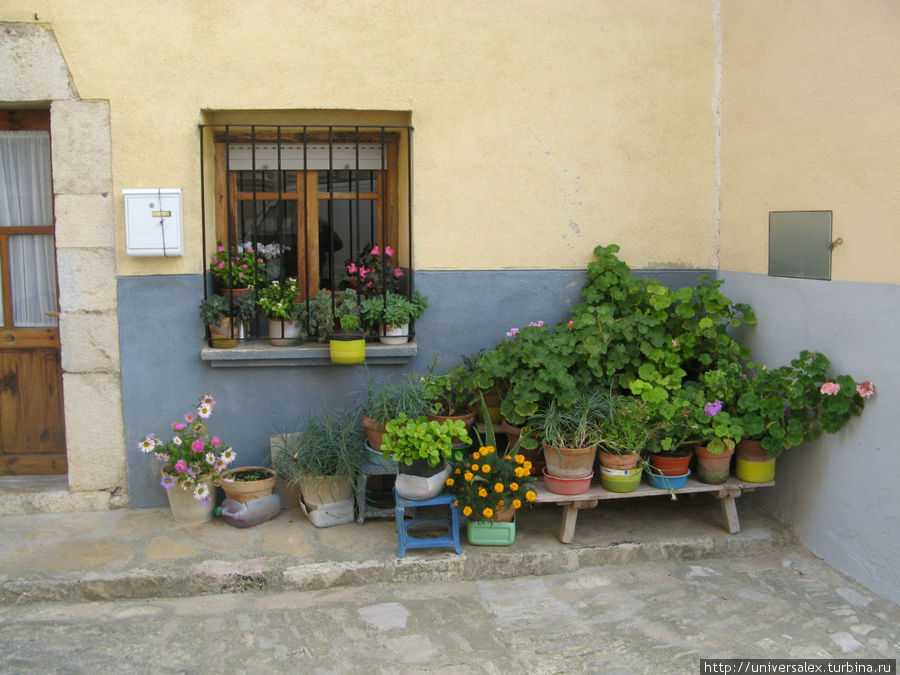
<point>307,196</point>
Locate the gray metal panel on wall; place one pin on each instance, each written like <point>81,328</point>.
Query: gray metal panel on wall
<point>840,491</point>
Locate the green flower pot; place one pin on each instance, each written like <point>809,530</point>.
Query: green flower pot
<point>489,533</point>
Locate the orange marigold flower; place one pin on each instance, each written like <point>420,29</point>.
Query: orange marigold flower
<point>501,502</point>
<point>527,466</point>
<point>488,449</point>
<point>476,455</point>
<point>513,486</point>
<point>488,512</point>
<point>498,487</point>
<point>519,459</point>
<point>486,468</point>
<point>467,511</point>
<point>457,471</point>
<point>449,482</point>
<point>468,476</point>
<point>517,503</point>
<point>507,457</point>
<point>530,496</point>
<point>482,493</point>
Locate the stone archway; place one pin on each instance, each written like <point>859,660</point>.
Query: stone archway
<point>33,73</point>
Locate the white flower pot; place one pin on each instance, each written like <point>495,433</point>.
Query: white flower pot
<point>394,335</point>
<point>292,331</point>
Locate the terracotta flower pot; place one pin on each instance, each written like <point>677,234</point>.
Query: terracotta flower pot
<point>712,469</point>
<point>569,462</point>
<point>671,464</point>
<point>613,461</point>
<point>374,432</point>
<point>468,419</point>
<point>245,491</point>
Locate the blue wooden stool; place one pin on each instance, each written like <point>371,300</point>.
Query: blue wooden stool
<point>406,540</point>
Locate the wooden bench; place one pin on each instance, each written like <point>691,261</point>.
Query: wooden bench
<point>725,492</point>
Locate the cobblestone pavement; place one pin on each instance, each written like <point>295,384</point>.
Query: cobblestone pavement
<point>632,617</point>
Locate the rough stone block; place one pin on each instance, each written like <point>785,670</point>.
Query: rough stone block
<point>31,65</point>
<point>90,342</point>
<point>84,221</point>
<point>82,159</point>
<point>95,432</point>
<point>87,280</point>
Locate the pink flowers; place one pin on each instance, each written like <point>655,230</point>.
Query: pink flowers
<point>674,343</point>
<point>712,408</point>
<point>375,251</point>
<point>180,466</point>
<point>830,389</point>
<point>198,445</point>
<point>511,333</point>
<point>388,251</point>
<point>351,268</point>
<point>865,389</point>
<point>397,272</point>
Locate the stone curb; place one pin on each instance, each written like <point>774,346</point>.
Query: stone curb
<point>277,574</point>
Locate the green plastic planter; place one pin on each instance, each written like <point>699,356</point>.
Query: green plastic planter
<point>490,533</point>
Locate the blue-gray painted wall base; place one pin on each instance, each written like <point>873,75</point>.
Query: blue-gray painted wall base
<point>839,492</point>
<point>161,335</point>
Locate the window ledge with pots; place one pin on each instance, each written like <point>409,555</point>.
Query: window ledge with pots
<point>259,353</point>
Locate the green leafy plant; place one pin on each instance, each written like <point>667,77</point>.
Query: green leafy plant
<point>391,309</point>
<point>627,426</point>
<point>408,439</point>
<point>321,311</point>
<point>784,406</point>
<point>451,393</point>
<point>281,300</point>
<point>217,307</point>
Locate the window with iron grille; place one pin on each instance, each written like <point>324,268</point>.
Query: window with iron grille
<point>308,199</point>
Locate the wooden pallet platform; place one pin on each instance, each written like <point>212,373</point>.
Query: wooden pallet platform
<point>725,492</point>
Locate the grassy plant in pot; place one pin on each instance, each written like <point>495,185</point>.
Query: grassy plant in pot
<point>326,457</point>
<point>570,436</point>
<point>281,304</point>
<point>624,434</point>
<point>669,446</point>
<point>388,315</point>
<point>387,401</point>
<point>421,448</point>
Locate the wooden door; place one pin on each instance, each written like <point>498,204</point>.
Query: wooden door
<point>32,428</point>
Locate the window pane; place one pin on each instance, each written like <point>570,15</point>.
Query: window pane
<point>32,267</point>
<point>266,181</point>
<point>352,225</point>
<point>348,181</point>
<point>273,225</point>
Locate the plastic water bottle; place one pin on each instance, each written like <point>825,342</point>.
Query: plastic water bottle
<point>252,513</point>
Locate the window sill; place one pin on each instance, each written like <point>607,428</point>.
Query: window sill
<point>259,353</point>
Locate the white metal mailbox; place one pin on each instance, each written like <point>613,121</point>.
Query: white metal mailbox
<point>153,222</point>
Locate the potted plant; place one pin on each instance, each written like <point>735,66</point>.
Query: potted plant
<point>325,457</point>
<point>246,483</point>
<point>570,436</point>
<point>387,401</point>
<point>389,315</point>
<point>193,462</point>
<point>281,304</point>
<point>490,487</point>
<point>450,395</point>
<point>421,448</point>
<point>225,317</point>
<point>236,269</point>
<point>347,346</point>
<point>782,407</point>
<point>373,272</point>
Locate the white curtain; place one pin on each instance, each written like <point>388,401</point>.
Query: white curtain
<point>26,199</point>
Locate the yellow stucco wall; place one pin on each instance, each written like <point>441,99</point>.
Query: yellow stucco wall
<point>541,128</point>
<point>811,113</point>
